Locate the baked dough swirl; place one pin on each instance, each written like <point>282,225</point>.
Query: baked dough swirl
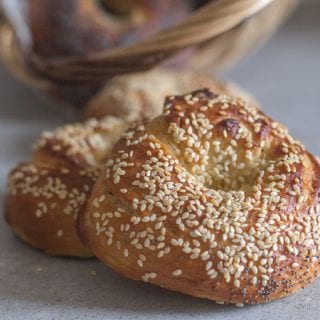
<point>212,199</point>
<point>44,195</point>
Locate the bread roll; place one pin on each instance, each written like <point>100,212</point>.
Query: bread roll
<point>44,195</point>
<point>212,199</point>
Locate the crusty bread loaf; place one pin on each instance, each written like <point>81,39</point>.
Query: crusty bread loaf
<point>213,199</point>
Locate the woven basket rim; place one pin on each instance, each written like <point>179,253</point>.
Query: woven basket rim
<point>207,23</point>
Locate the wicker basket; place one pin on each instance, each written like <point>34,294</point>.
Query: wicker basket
<point>218,34</point>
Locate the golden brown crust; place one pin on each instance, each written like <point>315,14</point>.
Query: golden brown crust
<point>73,153</point>
<point>213,199</point>
<point>137,96</point>
<point>45,195</point>
<point>41,207</point>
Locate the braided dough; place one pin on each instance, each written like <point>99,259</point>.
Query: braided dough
<point>52,187</point>
<point>212,199</point>
<point>45,194</point>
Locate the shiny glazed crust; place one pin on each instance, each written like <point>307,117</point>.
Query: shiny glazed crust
<point>212,199</point>
<point>45,194</point>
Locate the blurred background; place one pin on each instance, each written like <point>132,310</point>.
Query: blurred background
<point>284,76</point>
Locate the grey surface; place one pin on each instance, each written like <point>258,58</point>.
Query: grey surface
<point>285,76</point>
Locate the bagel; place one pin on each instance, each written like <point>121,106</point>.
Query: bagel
<point>76,28</point>
<point>62,28</point>
<point>45,194</point>
<point>72,156</point>
<point>212,199</point>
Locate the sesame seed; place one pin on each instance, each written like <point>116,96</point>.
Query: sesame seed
<point>177,272</point>
<point>59,233</point>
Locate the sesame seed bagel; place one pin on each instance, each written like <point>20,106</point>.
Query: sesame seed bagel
<point>212,199</point>
<point>67,162</point>
<point>45,194</point>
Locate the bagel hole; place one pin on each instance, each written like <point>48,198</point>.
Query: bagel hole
<point>122,9</point>
<point>196,4</point>
<point>231,168</point>
<point>228,175</point>
<point>234,163</point>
